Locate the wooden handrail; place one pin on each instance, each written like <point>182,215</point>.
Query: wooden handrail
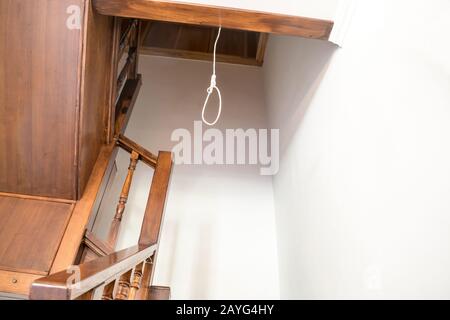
<point>93,274</point>
<point>154,212</point>
<point>130,146</point>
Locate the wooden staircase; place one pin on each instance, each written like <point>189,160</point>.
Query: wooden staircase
<point>70,93</point>
<point>100,272</point>
<point>47,247</point>
<point>128,274</point>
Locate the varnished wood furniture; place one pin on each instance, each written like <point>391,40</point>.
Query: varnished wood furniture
<point>55,94</point>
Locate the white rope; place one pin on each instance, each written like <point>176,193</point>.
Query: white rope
<point>212,87</point>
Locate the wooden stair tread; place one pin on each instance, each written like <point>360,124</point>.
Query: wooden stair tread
<point>30,233</point>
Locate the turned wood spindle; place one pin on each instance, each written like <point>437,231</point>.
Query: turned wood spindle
<point>142,293</point>
<point>137,280</point>
<point>123,289</point>
<point>115,225</point>
<point>108,291</point>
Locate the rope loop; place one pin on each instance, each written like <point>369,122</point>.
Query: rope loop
<point>219,112</point>
<point>212,87</point>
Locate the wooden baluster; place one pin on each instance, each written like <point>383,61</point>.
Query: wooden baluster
<point>137,280</point>
<point>115,225</point>
<point>97,293</point>
<point>108,291</point>
<point>132,74</point>
<point>87,296</point>
<point>142,293</point>
<point>124,73</point>
<point>123,289</point>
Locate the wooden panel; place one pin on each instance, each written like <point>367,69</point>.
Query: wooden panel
<point>96,91</point>
<point>23,196</point>
<point>193,38</point>
<point>17,283</point>
<point>162,35</point>
<point>191,55</point>
<point>38,97</point>
<point>197,42</point>
<point>217,16</point>
<point>30,233</point>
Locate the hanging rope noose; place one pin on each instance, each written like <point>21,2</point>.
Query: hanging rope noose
<point>212,87</point>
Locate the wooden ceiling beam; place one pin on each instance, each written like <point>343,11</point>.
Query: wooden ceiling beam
<point>214,16</point>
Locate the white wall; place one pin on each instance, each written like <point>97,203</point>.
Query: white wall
<point>319,9</point>
<point>362,197</point>
<point>219,238</point>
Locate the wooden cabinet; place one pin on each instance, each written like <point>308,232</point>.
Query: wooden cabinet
<point>55,95</point>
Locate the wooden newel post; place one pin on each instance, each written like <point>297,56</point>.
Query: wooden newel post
<point>154,214</point>
<point>115,224</point>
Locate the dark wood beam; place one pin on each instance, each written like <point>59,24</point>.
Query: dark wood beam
<point>214,16</point>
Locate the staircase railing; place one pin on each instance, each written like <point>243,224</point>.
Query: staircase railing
<point>127,274</point>
<point>96,277</point>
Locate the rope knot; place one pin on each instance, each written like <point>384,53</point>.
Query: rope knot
<point>213,84</point>
<point>212,87</point>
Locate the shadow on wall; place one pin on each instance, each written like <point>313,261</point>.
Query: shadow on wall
<point>201,277</point>
<point>169,238</point>
<point>177,246</point>
<point>212,212</point>
<point>292,74</point>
